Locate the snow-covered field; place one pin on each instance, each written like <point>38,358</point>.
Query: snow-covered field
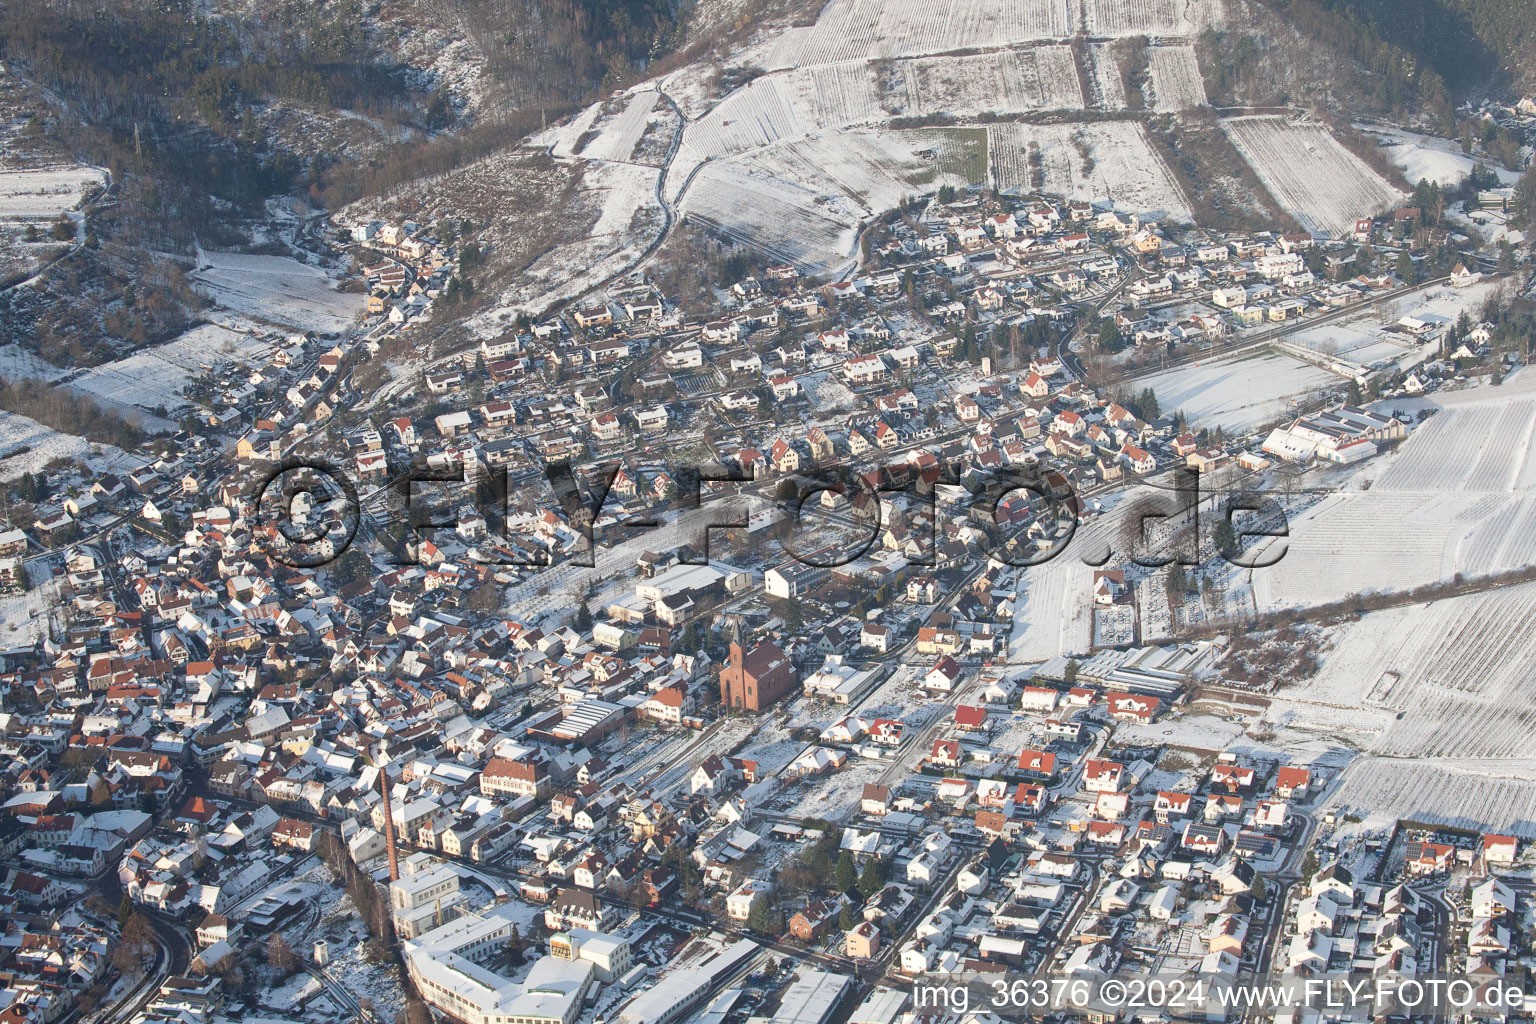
<point>43,193</point>
<point>789,221</point>
<point>628,220</point>
<point>563,139</point>
<point>277,289</point>
<point>1176,81</point>
<point>1486,796</point>
<point>1460,670</point>
<point>1428,157</point>
<point>1319,182</point>
<point>1053,616</point>
<point>24,617</point>
<point>1457,496</point>
<point>873,29</point>
<point>1009,81</point>
<point>619,136</point>
<point>1104,77</point>
<point>1240,393</point>
<point>1358,542</point>
<point>1125,169</point>
<point>27,446</point>
<point>875,169</point>
<point>790,104</point>
<point>155,377</point>
<point>1149,17</point>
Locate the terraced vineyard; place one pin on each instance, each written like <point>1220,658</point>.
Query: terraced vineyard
<point>1319,182</point>
<point>1176,81</point>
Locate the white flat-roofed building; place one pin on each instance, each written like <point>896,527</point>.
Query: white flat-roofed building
<point>839,682</point>
<point>882,1006</point>
<point>679,992</point>
<point>423,888</point>
<point>812,997</point>
<point>445,966</point>
<point>609,954</point>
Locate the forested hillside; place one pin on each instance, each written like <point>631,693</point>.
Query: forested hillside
<point>1466,44</point>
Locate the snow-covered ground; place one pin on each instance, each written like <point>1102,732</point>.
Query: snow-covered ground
<point>791,222</point>
<point>1126,171</point>
<point>618,137</point>
<point>1037,78</point>
<point>277,289</point>
<point>41,194</point>
<point>1427,157</point>
<point>24,617</point>
<point>1104,79</point>
<point>1239,393</point>
<point>1459,671</point>
<point>1319,182</point>
<point>1052,616</point>
<point>1150,17</point>
<point>628,220</point>
<point>27,446</point>
<point>1360,338</point>
<point>1497,796</point>
<point>1176,81</point>
<point>1457,496</point>
<point>156,376</point>
<point>873,29</point>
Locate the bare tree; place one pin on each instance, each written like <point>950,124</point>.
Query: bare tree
<point>280,955</point>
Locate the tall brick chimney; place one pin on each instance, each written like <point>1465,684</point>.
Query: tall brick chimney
<point>389,827</point>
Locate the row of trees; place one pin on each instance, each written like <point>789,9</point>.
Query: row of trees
<point>67,412</point>
<point>363,891</point>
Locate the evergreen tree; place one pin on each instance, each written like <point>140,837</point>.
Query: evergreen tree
<point>872,879</point>
<point>847,876</point>
<point>760,916</point>
<point>1406,269</point>
<point>847,920</point>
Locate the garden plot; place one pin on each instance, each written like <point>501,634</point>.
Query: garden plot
<point>1053,615</point>
<point>276,289</point>
<point>1104,77</point>
<point>873,29</point>
<point>789,222</point>
<point>1424,157</point>
<point>1493,797</point>
<point>621,134</point>
<point>24,617</point>
<point>1241,393</point>
<point>1319,182</point>
<point>26,446</point>
<point>1038,78</point>
<point>1150,17</point>
<point>1109,161</point>
<point>1176,81</point>
<point>155,377</point>
<point>41,194</point>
